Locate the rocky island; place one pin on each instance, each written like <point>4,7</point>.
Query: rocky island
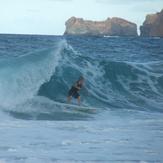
<point>153,25</point>
<point>111,26</point>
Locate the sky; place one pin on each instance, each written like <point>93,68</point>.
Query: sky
<point>49,16</point>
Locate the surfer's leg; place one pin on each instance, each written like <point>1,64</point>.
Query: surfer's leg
<point>70,94</point>
<point>69,99</point>
<point>78,100</point>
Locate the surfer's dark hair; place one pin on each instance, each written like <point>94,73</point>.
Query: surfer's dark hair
<point>81,78</point>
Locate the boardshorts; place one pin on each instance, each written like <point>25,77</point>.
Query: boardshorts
<point>73,92</point>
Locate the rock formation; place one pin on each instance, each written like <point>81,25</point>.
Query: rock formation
<point>153,25</point>
<point>111,26</point>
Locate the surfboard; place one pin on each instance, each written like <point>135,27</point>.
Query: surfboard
<point>74,107</point>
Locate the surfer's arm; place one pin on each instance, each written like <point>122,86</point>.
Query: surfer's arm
<point>76,86</point>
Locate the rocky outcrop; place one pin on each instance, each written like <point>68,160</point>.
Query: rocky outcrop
<point>153,25</point>
<point>112,26</point>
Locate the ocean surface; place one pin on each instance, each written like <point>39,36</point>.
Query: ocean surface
<point>124,86</point>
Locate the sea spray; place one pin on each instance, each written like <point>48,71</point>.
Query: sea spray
<point>22,77</point>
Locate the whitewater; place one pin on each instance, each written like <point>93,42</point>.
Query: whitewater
<point>124,82</point>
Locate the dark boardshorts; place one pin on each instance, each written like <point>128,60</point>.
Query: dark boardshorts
<point>73,92</point>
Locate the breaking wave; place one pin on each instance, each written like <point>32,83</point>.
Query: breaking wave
<point>30,84</point>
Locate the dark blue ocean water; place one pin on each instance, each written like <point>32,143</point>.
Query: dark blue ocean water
<point>124,85</point>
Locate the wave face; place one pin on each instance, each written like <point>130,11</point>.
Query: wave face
<point>120,73</point>
<point>112,81</point>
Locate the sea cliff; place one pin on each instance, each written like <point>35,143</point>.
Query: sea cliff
<point>153,25</point>
<point>111,26</point>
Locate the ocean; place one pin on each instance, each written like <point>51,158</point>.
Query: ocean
<point>123,84</point>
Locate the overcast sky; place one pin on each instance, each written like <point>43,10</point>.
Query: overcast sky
<point>49,16</point>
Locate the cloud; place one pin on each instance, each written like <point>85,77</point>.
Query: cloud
<point>33,11</point>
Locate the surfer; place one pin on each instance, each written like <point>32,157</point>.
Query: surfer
<point>74,91</point>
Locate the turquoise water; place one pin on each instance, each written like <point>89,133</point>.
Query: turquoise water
<point>124,81</point>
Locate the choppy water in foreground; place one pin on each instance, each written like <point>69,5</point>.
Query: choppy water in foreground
<point>124,79</point>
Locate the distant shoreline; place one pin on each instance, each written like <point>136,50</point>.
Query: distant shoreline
<point>26,34</point>
<point>106,36</point>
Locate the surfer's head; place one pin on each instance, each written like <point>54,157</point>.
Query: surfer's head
<point>81,79</point>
